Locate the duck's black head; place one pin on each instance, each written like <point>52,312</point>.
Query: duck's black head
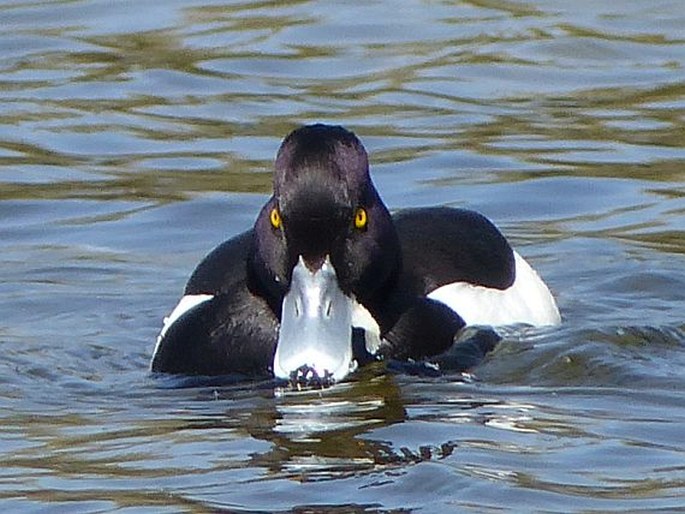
<point>324,243</point>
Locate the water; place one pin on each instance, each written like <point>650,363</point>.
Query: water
<point>135,136</point>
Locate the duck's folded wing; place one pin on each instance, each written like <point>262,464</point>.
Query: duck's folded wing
<point>232,332</point>
<point>459,258</point>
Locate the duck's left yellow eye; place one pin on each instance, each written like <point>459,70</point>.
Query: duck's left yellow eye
<point>360,218</point>
<point>275,218</point>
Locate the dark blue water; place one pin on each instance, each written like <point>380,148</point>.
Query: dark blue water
<point>134,137</point>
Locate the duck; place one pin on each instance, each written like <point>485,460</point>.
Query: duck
<point>328,279</point>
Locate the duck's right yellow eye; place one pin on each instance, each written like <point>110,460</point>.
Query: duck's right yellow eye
<point>360,218</point>
<point>275,218</point>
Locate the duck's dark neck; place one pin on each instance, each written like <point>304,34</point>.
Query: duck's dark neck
<point>260,283</point>
<point>385,302</point>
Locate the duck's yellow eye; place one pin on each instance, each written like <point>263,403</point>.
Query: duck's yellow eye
<point>275,218</point>
<point>360,218</point>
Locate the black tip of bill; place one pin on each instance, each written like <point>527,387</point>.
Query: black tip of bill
<point>306,377</point>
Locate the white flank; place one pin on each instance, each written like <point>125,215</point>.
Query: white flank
<point>527,301</point>
<point>362,318</point>
<point>184,305</point>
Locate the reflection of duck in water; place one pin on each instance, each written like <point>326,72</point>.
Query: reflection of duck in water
<point>377,422</point>
<point>325,256</point>
<point>316,435</point>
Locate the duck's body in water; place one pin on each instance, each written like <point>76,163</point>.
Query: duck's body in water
<point>326,262</point>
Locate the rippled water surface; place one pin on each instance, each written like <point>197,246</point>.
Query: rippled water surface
<point>135,136</point>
